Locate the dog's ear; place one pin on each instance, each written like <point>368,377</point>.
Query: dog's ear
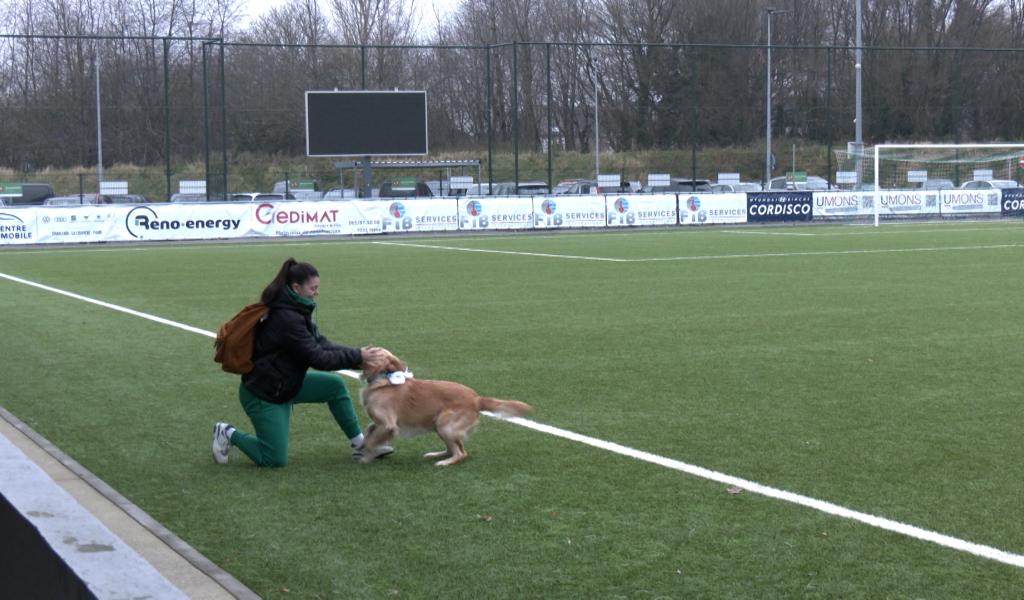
<point>394,364</point>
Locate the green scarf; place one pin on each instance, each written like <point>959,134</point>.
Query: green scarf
<point>300,299</point>
<point>305,302</point>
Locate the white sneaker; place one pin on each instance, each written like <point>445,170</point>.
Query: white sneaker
<point>382,451</point>
<point>221,442</point>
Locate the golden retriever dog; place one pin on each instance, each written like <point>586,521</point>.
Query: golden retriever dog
<point>416,406</point>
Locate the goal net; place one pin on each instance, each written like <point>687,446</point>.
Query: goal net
<point>946,166</point>
<point>933,179</point>
<point>929,166</point>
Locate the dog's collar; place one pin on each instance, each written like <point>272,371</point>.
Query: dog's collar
<point>392,377</point>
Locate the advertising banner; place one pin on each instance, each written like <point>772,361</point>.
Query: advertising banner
<point>89,223</point>
<point>285,219</point>
<point>552,212</point>
<point>842,204</point>
<point>768,207</point>
<point>1012,203</point>
<point>482,213</point>
<point>420,215</point>
<point>958,202</point>
<point>17,226</point>
<point>712,209</point>
<point>185,221</point>
<point>631,210</point>
<point>897,202</point>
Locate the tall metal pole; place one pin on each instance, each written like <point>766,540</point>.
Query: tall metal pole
<point>694,125</point>
<point>223,124</point>
<point>597,132</point>
<point>547,66</point>
<point>768,100</point>
<point>858,134</point>
<point>858,119</point>
<point>99,126</point>
<point>490,125</point>
<point>206,125</point>
<point>768,108</point>
<point>828,116</point>
<point>367,169</point>
<point>515,111</point>
<point>167,117</point>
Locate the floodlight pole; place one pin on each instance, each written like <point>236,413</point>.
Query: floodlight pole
<point>768,99</point>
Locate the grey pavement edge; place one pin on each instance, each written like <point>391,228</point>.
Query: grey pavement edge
<point>180,564</point>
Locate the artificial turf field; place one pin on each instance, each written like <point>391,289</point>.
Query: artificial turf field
<point>875,369</point>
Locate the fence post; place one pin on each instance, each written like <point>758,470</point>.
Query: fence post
<point>206,125</point>
<point>694,124</point>
<point>828,117</point>
<point>515,111</point>
<point>223,123</point>
<point>167,116</point>
<point>362,66</point>
<point>490,126</point>
<point>957,110</point>
<point>547,67</point>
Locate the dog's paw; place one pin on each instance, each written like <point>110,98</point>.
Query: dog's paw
<point>450,461</point>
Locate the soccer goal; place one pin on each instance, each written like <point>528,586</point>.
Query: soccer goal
<point>921,179</point>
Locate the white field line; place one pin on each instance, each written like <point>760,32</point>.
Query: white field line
<point>123,309</point>
<point>782,233</point>
<point>860,230</point>
<point>706,256</point>
<point>912,531</point>
<point>867,230</point>
<point>512,252</point>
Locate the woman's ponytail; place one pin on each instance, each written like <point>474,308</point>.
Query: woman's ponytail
<point>291,271</point>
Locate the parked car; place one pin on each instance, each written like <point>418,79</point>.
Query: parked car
<point>184,198</point>
<point>812,184</point>
<point>128,199</point>
<point>259,196</point>
<point>732,188</point>
<point>579,186</point>
<point>526,188</point>
<point>443,187</point>
<point>340,194</point>
<point>989,184</point>
<point>937,184</point>
<point>31,193</point>
<point>191,198</point>
<point>390,189</point>
<point>562,186</point>
<point>77,200</point>
<point>295,185</point>
<point>681,185</point>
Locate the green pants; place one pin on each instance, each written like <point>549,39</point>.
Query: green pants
<point>269,447</point>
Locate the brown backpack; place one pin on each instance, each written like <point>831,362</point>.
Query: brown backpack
<point>233,346</point>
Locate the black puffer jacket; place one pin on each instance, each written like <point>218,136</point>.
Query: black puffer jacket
<point>287,344</point>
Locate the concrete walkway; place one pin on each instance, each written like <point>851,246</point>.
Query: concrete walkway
<point>114,547</point>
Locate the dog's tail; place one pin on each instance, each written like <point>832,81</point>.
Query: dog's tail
<point>505,408</point>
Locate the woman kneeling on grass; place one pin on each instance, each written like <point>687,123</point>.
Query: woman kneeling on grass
<point>287,344</point>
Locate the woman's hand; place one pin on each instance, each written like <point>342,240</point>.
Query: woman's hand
<point>379,359</point>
